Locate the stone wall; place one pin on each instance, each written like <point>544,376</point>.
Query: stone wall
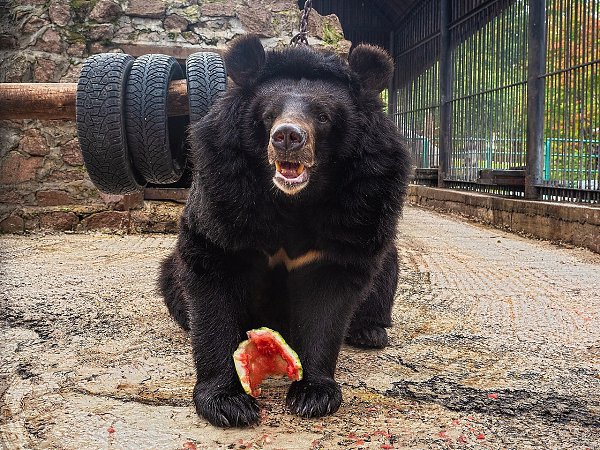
<point>43,183</point>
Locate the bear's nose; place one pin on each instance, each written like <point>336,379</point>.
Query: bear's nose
<point>288,137</point>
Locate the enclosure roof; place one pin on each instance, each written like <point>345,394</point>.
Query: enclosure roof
<point>367,21</point>
<point>394,10</point>
<point>389,13</point>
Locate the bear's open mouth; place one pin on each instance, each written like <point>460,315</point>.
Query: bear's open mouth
<point>290,176</point>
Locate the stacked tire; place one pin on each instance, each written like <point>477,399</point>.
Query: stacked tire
<point>206,79</point>
<point>126,137</point>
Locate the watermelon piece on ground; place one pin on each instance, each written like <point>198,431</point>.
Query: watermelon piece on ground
<point>265,353</point>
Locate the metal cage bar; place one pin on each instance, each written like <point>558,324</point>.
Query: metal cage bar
<point>571,139</point>
<point>488,117</point>
<point>417,111</point>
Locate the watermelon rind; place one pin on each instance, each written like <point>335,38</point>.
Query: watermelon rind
<point>241,368</point>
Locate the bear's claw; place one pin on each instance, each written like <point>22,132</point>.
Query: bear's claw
<point>314,398</point>
<point>226,409</point>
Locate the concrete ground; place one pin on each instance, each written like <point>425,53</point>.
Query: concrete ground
<point>495,344</point>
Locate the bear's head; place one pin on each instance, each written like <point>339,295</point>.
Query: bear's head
<point>306,106</point>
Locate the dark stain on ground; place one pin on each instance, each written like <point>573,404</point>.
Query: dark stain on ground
<point>507,402</point>
<point>10,318</point>
<point>24,371</point>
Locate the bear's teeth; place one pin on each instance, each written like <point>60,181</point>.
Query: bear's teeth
<point>289,169</point>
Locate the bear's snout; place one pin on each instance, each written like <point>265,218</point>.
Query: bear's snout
<point>288,137</point>
<point>291,151</point>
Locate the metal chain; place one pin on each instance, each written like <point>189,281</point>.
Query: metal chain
<point>301,38</point>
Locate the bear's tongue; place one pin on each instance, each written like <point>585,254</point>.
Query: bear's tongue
<point>289,169</point>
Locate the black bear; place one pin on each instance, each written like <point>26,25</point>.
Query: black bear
<point>298,182</point>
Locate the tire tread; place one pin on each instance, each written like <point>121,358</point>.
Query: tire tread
<point>207,79</point>
<point>154,151</point>
<point>100,123</point>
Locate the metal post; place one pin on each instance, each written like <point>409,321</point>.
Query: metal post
<point>446,79</point>
<point>392,107</point>
<point>535,96</point>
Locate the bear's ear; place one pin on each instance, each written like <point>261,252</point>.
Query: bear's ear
<point>373,65</point>
<point>244,59</point>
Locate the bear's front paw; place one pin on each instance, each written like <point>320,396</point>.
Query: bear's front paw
<point>367,337</point>
<point>314,398</point>
<point>225,408</point>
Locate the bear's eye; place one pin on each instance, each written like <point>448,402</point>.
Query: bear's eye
<point>268,117</point>
<point>323,118</point>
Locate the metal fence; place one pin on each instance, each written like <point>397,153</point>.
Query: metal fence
<point>512,105</point>
<point>488,118</point>
<point>572,113</point>
<point>417,102</point>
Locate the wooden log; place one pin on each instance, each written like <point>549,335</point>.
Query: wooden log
<point>56,101</point>
<point>37,101</point>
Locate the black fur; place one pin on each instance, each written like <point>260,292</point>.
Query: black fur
<point>373,65</point>
<point>245,59</point>
<point>218,282</point>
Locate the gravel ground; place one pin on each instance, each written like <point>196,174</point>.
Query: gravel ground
<point>495,344</point>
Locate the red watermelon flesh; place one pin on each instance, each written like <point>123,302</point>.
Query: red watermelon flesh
<point>265,354</point>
